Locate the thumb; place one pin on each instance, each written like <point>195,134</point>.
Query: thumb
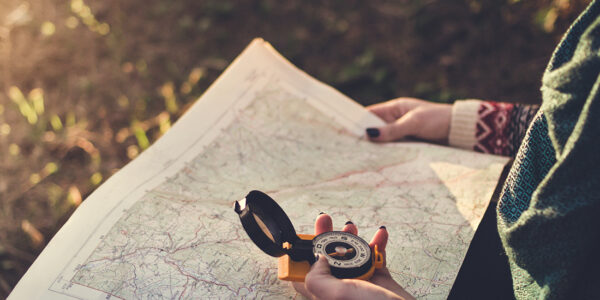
<point>321,267</point>
<point>322,285</point>
<point>403,127</point>
<point>319,281</point>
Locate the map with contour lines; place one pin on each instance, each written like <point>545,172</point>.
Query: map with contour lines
<point>183,240</point>
<point>169,231</point>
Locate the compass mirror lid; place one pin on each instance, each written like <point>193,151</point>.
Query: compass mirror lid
<point>265,222</point>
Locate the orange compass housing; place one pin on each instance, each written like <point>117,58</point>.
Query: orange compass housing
<point>291,270</point>
<point>269,227</point>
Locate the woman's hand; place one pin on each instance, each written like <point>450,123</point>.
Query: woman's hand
<point>411,117</point>
<point>320,284</point>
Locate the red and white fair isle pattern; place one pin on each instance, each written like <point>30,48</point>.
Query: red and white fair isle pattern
<point>493,133</point>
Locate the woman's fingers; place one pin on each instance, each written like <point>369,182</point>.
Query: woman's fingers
<point>380,239</point>
<point>323,223</point>
<point>430,121</point>
<point>407,125</point>
<point>385,111</point>
<point>391,110</point>
<point>319,283</point>
<point>350,228</point>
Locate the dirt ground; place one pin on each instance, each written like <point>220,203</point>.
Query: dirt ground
<point>85,86</point>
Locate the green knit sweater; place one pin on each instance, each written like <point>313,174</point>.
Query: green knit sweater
<point>549,211</point>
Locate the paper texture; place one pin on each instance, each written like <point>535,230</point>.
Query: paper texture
<point>163,227</point>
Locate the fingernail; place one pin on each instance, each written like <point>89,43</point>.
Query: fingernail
<point>321,213</point>
<point>373,132</point>
<point>382,227</point>
<point>349,222</point>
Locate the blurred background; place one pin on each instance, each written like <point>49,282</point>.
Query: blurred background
<point>85,86</point>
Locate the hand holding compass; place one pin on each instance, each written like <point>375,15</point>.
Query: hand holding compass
<point>342,254</point>
<point>272,231</point>
<point>320,284</point>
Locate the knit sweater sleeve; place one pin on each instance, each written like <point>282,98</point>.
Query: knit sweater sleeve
<point>549,208</point>
<point>490,127</point>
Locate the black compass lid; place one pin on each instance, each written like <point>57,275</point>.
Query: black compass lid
<point>269,226</point>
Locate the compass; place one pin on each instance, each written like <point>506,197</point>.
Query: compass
<point>269,227</point>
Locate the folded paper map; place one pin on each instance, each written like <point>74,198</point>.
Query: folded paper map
<point>163,226</point>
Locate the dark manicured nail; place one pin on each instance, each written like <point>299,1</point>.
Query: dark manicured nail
<point>349,222</point>
<point>382,227</point>
<point>321,213</point>
<point>314,261</point>
<point>373,132</point>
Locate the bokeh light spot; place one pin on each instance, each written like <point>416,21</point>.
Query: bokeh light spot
<point>185,88</point>
<point>74,195</point>
<point>196,75</point>
<point>50,168</point>
<point>56,123</point>
<point>123,101</point>
<point>103,29</point>
<point>37,238</point>
<point>14,149</point>
<point>71,22</point>
<point>132,151</point>
<point>4,129</point>
<point>48,28</point>
<point>127,67</point>
<point>96,178</point>
<point>77,5</point>
<point>35,178</point>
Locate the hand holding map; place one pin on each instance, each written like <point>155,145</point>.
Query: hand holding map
<point>411,117</point>
<point>162,227</point>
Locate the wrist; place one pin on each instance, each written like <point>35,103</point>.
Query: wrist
<point>463,124</point>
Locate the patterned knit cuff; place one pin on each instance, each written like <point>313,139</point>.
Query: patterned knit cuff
<point>464,124</point>
<point>496,128</point>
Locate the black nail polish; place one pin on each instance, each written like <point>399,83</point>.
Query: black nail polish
<point>316,258</point>
<point>321,213</point>
<point>349,222</point>
<point>373,132</point>
<point>382,227</point>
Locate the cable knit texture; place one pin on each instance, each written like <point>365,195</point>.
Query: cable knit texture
<point>549,211</point>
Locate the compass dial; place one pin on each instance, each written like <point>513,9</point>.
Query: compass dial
<point>343,250</point>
